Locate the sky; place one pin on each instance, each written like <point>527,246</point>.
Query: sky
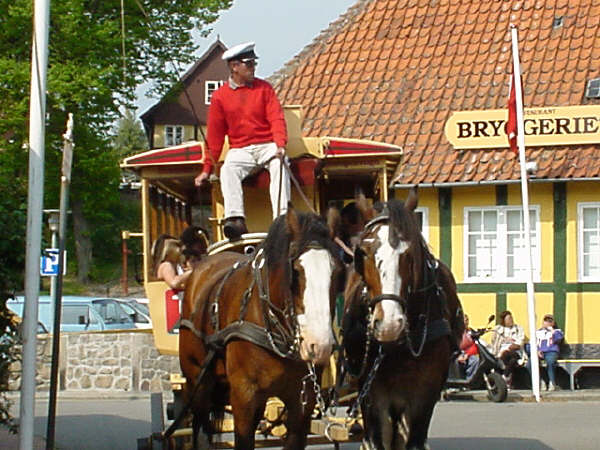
<point>280,28</point>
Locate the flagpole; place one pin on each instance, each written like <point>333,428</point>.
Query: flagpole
<point>535,366</point>
<point>35,195</point>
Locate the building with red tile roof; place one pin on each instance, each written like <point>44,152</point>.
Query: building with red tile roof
<point>394,71</point>
<point>398,71</point>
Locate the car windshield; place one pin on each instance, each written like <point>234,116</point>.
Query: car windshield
<point>134,309</point>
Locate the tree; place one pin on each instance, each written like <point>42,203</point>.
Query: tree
<point>86,77</point>
<point>130,137</point>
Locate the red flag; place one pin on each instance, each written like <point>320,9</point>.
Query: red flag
<point>511,124</point>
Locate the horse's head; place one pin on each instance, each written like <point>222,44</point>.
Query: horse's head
<point>308,266</point>
<point>386,259</point>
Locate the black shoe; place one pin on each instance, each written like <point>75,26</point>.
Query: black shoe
<point>234,227</point>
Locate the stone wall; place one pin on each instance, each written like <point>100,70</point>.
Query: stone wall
<point>118,361</point>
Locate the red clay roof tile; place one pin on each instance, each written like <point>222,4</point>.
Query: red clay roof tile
<point>394,70</point>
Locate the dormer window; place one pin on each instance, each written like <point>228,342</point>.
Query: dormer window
<point>209,88</point>
<point>593,88</point>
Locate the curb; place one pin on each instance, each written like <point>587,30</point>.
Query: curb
<point>526,396</point>
<point>89,395</point>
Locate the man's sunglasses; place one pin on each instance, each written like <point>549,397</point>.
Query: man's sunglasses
<point>249,62</point>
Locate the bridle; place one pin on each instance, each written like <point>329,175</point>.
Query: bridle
<point>373,301</point>
<point>281,321</point>
<point>430,267</point>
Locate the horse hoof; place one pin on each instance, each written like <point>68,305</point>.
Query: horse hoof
<point>420,447</point>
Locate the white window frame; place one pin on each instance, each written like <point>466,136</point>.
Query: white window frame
<point>580,260</point>
<point>424,211</point>
<point>502,239</point>
<point>210,86</point>
<point>174,129</point>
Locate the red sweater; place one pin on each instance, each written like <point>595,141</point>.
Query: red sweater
<point>247,115</point>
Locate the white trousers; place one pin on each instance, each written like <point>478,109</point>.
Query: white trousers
<point>239,162</point>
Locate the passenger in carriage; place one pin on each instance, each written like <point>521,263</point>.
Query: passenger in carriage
<point>167,253</point>
<point>247,111</point>
<point>195,242</point>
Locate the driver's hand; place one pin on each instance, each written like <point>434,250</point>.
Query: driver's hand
<point>201,179</point>
<point>280,152</point>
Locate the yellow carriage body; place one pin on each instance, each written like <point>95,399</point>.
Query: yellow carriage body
<point>327,168</point>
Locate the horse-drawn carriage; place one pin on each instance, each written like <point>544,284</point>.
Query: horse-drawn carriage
<point>256,318</point>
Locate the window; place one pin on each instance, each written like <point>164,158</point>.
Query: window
<point>588,248</point>
<point>209,88</point>
<point>593,88</point>
<point>423,221</point>
<point>74,314</point>
<point>173,135</point>
<point>495,244</point>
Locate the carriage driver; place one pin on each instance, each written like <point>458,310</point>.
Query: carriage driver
<point>247,110</point>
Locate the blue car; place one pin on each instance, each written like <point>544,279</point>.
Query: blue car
<point>79,313</point>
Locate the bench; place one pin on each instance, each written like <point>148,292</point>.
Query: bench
<point>572,366</point>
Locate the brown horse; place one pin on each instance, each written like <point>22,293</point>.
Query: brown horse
<point>402,321</point>
<point>256,327</point>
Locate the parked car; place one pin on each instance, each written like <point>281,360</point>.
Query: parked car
<point>79,313</point>
<point>118,311</point>
<point>138,311</point>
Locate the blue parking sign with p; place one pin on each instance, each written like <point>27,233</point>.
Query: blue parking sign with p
<point>49,263</point>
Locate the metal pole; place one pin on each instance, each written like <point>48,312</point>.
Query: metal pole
<point>53,277</point>
<point>124,251</point>
<point>37,129</point>
<point>64,200</point>
<point>535,368</point>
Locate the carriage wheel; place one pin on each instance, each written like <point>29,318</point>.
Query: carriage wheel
<point>497,389</point>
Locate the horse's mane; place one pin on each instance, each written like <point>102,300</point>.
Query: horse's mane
<point>312,229</point>
<point>405,223</point>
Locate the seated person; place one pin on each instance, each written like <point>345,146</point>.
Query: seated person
<point>469,356</point>
<point>167,253</point>
<point>548,339</point>
<point>507,344</point>
<point>195,243</point>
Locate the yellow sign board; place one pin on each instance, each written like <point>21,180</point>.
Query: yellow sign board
<point>560,125</point>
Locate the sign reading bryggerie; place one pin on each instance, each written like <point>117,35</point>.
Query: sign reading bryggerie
<point>561,125</point>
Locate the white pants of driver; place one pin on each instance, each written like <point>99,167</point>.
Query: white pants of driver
<point>239,162</point>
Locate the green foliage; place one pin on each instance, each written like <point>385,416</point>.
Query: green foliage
<point>13,216</point>
<point>130,137</point>
<point>86,78</point>
<point>8,354</point>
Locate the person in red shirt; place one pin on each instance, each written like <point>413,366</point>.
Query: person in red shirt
<point>247,111</point>
<point>469,356</point>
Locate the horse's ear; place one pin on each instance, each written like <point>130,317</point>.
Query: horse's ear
<point>334,222</point>
<point>366,211</point>
<point>291,221</point>
<point>413,199</point>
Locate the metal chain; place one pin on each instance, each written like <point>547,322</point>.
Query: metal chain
<point>312,377</point>
<point>367,386</point>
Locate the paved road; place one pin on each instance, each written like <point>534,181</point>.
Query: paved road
<point>113,424</point>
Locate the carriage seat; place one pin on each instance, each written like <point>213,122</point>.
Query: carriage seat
<point>303,170</point>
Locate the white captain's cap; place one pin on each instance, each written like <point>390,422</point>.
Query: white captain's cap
<point>241,52</point>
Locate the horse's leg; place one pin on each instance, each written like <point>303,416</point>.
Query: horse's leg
<point>428,395</point>
<point>248,408</point>
<point>298,418</point>
<point>379,426</point>
<point>200,440</point>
